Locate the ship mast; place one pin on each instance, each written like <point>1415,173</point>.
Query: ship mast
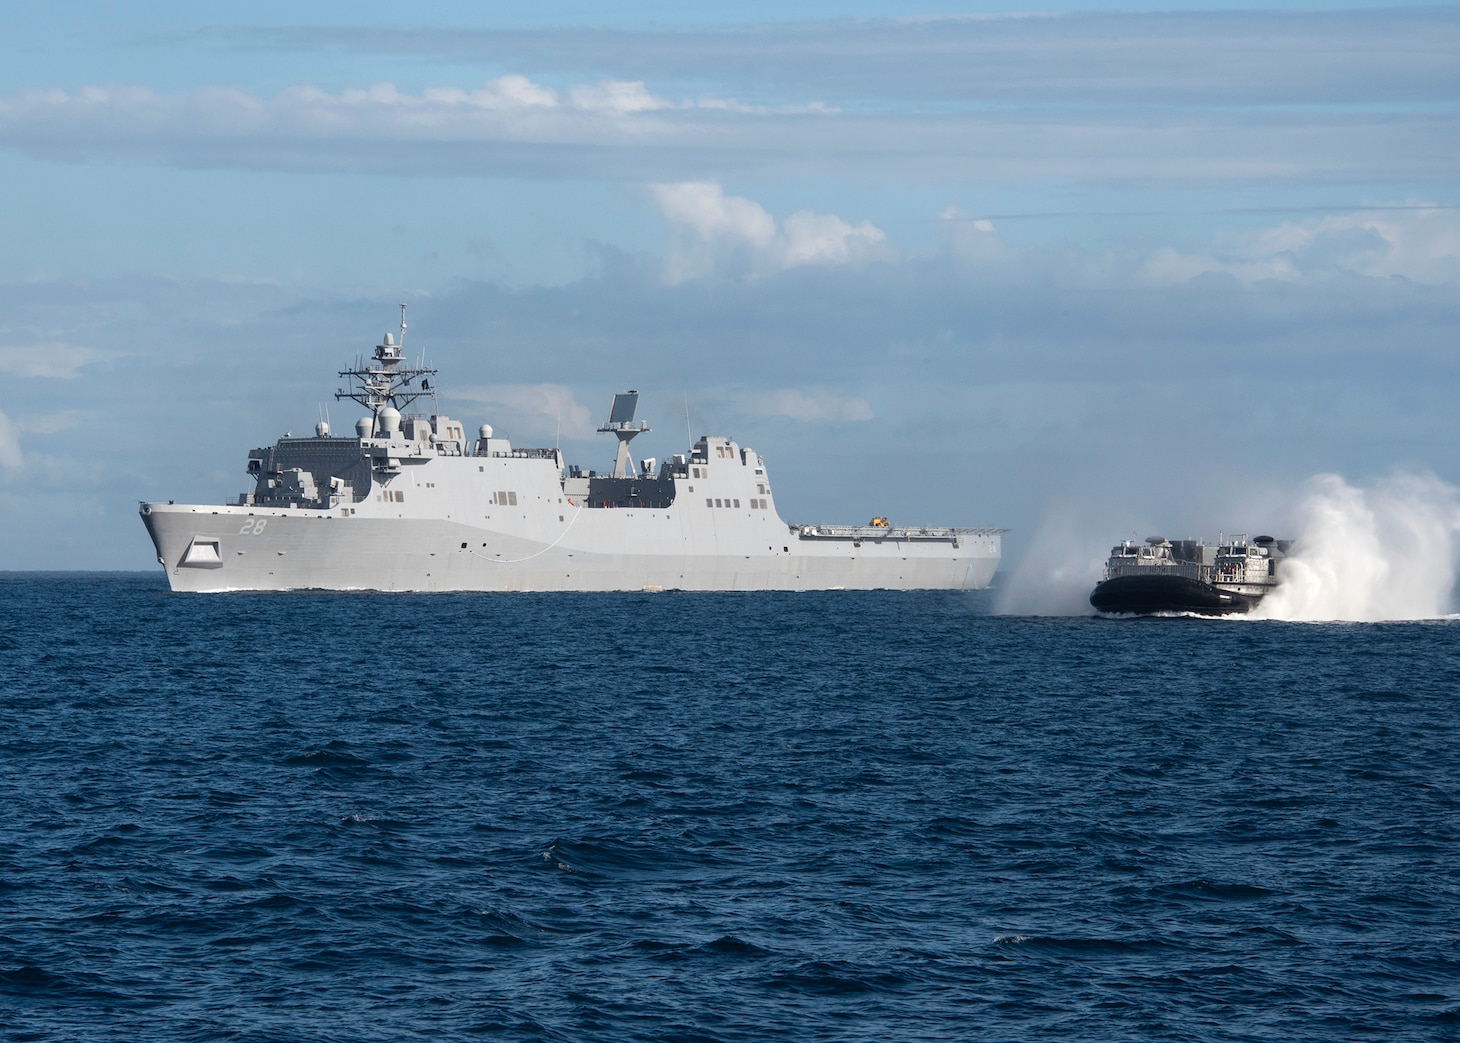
<point>385,382</point>
<point>621,423</point>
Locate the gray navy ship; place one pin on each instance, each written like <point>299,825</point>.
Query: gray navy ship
<point>1189,576</point>
<point>409,502</point>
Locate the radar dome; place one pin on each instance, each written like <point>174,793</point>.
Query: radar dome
<point>486,431</point>
<point>389,340</point>
<point>390,420</point>
<point>322,429</point>
<point>363,426</point>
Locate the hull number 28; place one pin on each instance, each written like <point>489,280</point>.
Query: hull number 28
<point>253,526</point>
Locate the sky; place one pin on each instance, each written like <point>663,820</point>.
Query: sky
<point>1077,271</point>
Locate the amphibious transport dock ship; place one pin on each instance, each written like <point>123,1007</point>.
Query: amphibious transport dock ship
<point>1189,576</point>
<point>410,503</point>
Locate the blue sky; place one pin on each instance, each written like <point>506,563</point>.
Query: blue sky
<point>1063,269</point>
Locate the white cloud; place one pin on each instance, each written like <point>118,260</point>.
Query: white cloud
<point>1315,97</point>
<point>813,238</point>
<point>733,233</point>
<point>505,92</point>
<point>711,102</point>
<point>10,455</point>
<point>704,209</point>
<point>509,107</point>
<point>621,128</point>
<point>61,361</point>
<point>616,96</point>
<point>1209,57</point>
<point>540,408</point>
<point>1416,241</point>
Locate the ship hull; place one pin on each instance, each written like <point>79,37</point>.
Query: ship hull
<point>220,548</point>
<point>1147,595</point>
<point>410,504</point>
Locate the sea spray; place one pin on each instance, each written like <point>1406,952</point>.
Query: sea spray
<point>1055,574</point>
<point>1382,553</point>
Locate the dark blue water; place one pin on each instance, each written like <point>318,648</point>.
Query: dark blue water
<point>716,817</point>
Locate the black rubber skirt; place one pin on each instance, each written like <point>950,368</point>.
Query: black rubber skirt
<point>1144,595</point>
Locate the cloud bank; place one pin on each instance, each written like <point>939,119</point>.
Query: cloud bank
<point>1412,240</point>
<point>1169,100</point>
<point>1242,58</point>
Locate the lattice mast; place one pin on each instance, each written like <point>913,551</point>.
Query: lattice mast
<point>386,382</point>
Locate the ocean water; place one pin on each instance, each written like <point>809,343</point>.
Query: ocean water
<point>838,816</point>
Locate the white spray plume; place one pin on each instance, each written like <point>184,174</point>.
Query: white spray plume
<point>1384,553</point>
<point>1056,573</point>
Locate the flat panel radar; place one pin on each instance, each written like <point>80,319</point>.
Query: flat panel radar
<point>621,423</point>
<point>624,405</point>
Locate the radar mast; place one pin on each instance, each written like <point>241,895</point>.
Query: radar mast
<point>384,382</point>
<point>621,423</point>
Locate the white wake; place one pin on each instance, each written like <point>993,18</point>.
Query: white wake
<point>1382,553</point>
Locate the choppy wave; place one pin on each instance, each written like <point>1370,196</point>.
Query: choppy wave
<point>831,816</point>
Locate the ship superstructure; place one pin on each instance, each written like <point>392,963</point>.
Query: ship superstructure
<point>408,502</point>
<point>1189,576</point>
